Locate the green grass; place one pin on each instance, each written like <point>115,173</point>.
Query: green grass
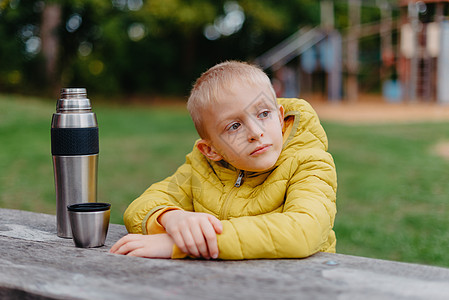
<point>393,194</point>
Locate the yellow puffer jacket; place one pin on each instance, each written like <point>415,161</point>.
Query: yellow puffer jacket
<point>286,212</point>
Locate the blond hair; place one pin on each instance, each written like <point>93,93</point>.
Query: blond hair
<point>211,84</point>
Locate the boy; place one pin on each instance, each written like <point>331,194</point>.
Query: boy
<point>258,184</point>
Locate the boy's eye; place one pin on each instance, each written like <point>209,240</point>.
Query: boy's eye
<point>234,127</point>
<point>264,114</point>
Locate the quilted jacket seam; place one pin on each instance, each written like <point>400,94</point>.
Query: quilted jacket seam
<point>271,237</point>
<point>240,240</point>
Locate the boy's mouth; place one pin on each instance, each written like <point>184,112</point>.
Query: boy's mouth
<point>259,150</point>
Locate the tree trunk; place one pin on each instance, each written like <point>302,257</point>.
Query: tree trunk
<point>51,20</point>
<point>189,54</point>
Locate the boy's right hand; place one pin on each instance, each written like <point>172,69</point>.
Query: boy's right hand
<point>193,232</point>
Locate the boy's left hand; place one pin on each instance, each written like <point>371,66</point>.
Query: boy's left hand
<point>194,233</point>
<point>150,246</point>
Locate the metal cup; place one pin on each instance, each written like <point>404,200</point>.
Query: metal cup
<point>89,223</point>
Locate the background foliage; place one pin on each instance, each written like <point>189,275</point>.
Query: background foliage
<point>118,47</point>
<point>129,46</point>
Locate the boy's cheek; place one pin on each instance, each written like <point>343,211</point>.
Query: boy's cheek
<point>235,144</point>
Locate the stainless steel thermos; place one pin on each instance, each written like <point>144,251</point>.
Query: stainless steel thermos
<point>75,148</point>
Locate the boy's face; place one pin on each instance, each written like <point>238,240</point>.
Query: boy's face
<point>244,128</point>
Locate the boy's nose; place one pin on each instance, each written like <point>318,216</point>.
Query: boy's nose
<point>255,132</point>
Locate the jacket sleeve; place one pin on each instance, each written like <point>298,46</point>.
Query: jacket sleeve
<point>304,226</point>
<point>172,193</point>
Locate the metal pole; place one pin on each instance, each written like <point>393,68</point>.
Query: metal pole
<point>353,49</point>
<point>385,29</point>
<point>443,65</point>
<point>414,21</point>
<point>327,14</point>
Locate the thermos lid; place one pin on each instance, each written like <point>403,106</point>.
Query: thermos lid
<point>73,99</point>
<point>89,207</point>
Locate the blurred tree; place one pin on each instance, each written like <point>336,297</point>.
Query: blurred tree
<point>19,29</point>
<point>50,23</point>
<point>138,46</point>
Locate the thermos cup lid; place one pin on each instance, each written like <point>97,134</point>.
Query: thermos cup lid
<point>89,207</point>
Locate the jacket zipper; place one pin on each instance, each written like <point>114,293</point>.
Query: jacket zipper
<point>237,184</point>
<point>239,180</point>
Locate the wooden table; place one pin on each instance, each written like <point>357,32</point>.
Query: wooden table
<point>36,264</point>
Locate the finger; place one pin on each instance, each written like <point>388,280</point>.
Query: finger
<point>179,241</point>
<point>139,252</point>
<point>189,242</point>
<point>211,240</point>
<point>115,246</point>
<point>126,248</point>
<point>218,227</point>
<point>129,247</point>
<point>199,238</point>
<point>120,243</point>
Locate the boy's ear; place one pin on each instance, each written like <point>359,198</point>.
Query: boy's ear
<point>208,151</point>
<point>281,115</point>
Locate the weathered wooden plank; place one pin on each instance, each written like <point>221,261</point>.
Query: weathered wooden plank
<point>36,264</point>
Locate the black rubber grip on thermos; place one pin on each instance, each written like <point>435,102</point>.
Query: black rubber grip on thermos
<point>74,141</point>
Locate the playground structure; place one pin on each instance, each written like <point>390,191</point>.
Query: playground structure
<point>423,61</point>
<point>412,54</point>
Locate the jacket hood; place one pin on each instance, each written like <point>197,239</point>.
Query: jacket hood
<point>297,130</point>
<point>292,141</point>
